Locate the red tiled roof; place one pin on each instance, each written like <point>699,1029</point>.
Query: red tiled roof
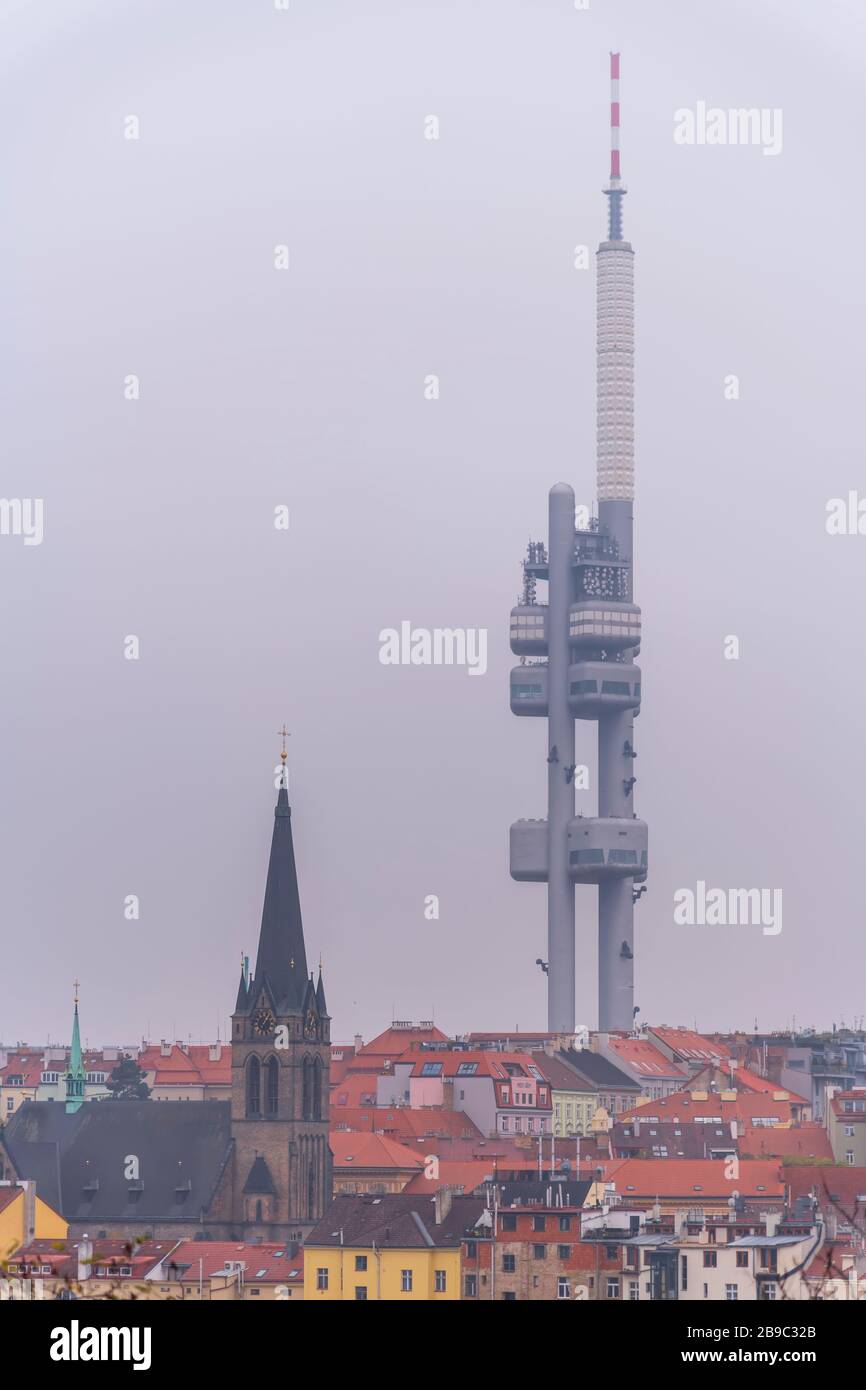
<point>683,1107</point>
<point>645,1059</point>
<point>835,1185</point>
<point>801,1141</point>
<point>696,1179</point>
<point>265,1263</point>
<point>191,1066</point>
<point>691,1046</point>
<point>392,1043</point>
<point>356,1090</point>
<point>355,1150</point>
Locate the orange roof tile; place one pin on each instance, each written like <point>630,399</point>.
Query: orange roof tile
<point>354,1150</point>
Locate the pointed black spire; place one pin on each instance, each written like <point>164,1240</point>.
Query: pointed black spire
<point>242,988</point>
<point>320,995</point>
<point>281,963</point>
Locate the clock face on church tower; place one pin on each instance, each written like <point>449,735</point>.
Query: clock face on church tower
<point>310,1024</point>
<point>263,1022</point>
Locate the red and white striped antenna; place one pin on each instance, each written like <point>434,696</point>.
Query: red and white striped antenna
<point>615,190</point>
<point>614,118</point>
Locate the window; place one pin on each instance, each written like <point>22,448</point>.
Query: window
<point>360,1293</point>
<point>612,1288</point>
<point>254,1086</point>
<point>742,1259</point>
<point>849,1131</point>
<point>509,1264</point>
<point>633,1291</point>
<point>272,1086</point>
<point>509,1221</point>
<point>849,1157</point>
<point>431,1069</point>
<point>684,1280</point>
<point>361,1263</point>
<point>731,1292</point>
<point>439,1280</point>
<point>511,1297</point>
<point>538,1223</point>
<point>610,1252</point>
<point>563,1252</point>
<point>563,1288</point>
<point>467,1069</point>
<point>539,1252</point>
<point>406,1280</point>
<point>565,1223</point>
<point>768,1292</point>
<point>321,1279</point>
<point>472,1250</point>
<point>470,1286</point>
<point>710,1259</point>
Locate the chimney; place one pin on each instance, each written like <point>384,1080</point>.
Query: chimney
<point>164,1048</point>
<point>448,1095</point>
<point>85,1259</point>
<point>359,1042</point>
<point>215,1051</point>
<point>442,1204</point>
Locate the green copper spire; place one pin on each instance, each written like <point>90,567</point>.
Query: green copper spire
<point>75,1075</point>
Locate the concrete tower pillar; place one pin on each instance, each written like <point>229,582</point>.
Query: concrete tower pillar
<point>560,786</point>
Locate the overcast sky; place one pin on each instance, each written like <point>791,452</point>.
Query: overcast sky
<point>305,388</point>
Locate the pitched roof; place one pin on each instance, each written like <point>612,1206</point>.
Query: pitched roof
<point>181,1156</point>
<point>689,1046</point>
<point>598,1070</point>
<point>265,1264</point>
<point>678,1141</point>
<point>355,1150</point>
<point>187,1066</point>
<point>697,1180</point>
<point>259,1181</point>
<point>394,1221</point>
<point>800,1141</point>
<point>836,1186</point>
<point>393,1042</point>
<point>686,1107</point>
<point>646,1059</point>
<point>565,1077</point>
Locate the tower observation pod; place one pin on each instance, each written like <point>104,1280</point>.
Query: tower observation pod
<point>578,661</point>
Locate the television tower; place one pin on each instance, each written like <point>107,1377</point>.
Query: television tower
<point>578,655</point>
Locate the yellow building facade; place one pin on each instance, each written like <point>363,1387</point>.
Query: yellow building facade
<point>339,1273</point>
<point>25,1217</point>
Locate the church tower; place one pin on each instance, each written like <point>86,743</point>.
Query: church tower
<point>75,1075</point>
<point>282,1178</point>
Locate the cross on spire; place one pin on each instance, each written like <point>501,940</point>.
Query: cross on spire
<point>284,734</point>
<point>75,986</point>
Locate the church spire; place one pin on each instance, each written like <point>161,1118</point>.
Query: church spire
<point>281,962</point>
<point>75,1076</point>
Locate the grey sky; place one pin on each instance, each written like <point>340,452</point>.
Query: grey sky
<point>258,387</point>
